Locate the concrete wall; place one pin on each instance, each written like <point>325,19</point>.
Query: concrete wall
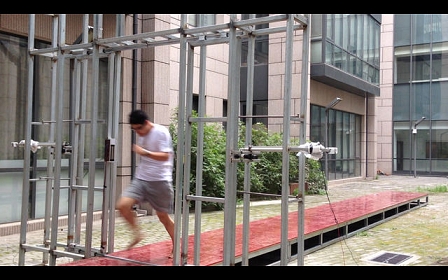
<point>384,102</point>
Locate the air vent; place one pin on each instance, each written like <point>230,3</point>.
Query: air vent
<point>391,258</point>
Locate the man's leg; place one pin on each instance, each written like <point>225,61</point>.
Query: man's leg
<point>124,205</point>
<point>168,223</point>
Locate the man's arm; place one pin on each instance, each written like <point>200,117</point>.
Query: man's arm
<point>162,156</point>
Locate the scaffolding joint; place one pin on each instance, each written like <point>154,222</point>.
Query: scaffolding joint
<point>67,148</point>
<point>245,155</point>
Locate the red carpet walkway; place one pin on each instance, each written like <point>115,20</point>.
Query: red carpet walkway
<point>266,233</point>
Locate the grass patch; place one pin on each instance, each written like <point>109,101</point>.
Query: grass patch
<point>436,189</point>
<point>362,234</point>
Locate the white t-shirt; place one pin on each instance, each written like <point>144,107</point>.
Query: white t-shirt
<point>157,140</point>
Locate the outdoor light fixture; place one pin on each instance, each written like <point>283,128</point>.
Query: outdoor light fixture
<point>329,106</point>
<point>414,133</point>
<point>333,103</point>
<point>418,122</point>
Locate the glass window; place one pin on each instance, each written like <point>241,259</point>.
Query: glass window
<point>259,108</point>
<point>336,129</point>
<point>376,45</point>
<point>10,196</point>
<point>199,20</point>
<point>437,149</point>
<point>421,28</point>
<point>330,26</point>
<point>421,100</point>
<point>344,132</point>
<point>316,52</point>
<point>329,51</point>
<point>439,99</point>
<point>421,67</point>
<point>345,32</point>
<point>402,65</point>
<point>373,76</point>
<point>420,91</point>
<point>370,58</point>
<point>440,61</point>
<point>355,48</point>
<point>316,23</point>
<point>340,59</point>
<point>13,100</point>
<point>355,66</point>
<point>261,45</point>
<point>338,29</point>
<point>402,146</point>
<point>317,125</point>
<point>440,28</point>
<point>401,102</point>
<point>402,32</point>
<point>352,47</point>
<point>13,92</point>
<point>359,35</point>
<point>427,64</point>
<point>191,19</point>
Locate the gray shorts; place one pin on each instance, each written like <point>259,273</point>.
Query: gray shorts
<point>159,194</point>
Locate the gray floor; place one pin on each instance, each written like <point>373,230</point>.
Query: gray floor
<point>420,235</point>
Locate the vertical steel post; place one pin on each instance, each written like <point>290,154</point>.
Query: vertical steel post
<point>303,127</point>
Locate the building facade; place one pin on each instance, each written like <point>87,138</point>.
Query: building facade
<point>355,59</point>
<point>419,120</point>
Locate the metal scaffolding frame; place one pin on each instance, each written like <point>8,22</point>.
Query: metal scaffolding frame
<point>91,51</point>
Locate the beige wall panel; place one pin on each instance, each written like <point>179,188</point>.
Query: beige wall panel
<point>216,85</point>
<point>275,51</point>
<point>220,52</point>
<point>275,87</point>
<point>384,102</point>
<point>214,107</point>
<point>19,24</point>
<point>174,75</point>
<point>162,114</point>
<point>161,84</point>
<point>174,97</point>
<point>296,85</point>
<point>322,95</point>
<point>148,82</point>
<point>221,67</point>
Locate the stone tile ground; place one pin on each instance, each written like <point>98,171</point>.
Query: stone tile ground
<point>421,233</point>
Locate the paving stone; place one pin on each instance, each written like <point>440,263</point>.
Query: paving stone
<point>420,232</point>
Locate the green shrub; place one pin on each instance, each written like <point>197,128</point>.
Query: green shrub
<point>214,161</point>
<point>265,174</point>
<point>315,177</point>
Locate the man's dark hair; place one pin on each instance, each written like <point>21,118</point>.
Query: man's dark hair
<point>138,117</point>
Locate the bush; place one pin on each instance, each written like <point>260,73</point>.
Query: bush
<point>265,174</point>
<point>214,161</point>
<point>315,177</point>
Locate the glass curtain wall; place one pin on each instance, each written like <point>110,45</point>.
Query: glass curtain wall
<point>260,90</point>
<point>349,42</point>
<point>344,132</point>
<point>13,94</point>
<point>420,94</point>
